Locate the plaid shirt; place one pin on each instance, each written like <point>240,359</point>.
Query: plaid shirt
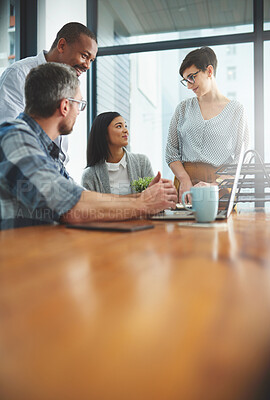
<point>35,187</point>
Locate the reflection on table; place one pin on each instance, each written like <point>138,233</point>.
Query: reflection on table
<point>171,313</point>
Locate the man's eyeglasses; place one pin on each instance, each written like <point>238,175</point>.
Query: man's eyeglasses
<point>81,103</point>
<point>190,79</point>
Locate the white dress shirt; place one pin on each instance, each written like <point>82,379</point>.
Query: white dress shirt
<point>12,99</point>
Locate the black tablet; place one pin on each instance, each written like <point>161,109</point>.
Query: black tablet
<point>111,226</point>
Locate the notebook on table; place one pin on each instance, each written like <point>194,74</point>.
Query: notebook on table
<point>111,226</point>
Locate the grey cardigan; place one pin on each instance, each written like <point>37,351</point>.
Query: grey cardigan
<point>96,178</point>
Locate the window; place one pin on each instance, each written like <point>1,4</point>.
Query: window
<point>231,95</point>
<point>266,13</point>
<point>231,50</point>
<point>7,31</point>
<point>148,21</point>
<point>266,101</point>
<point>148,84</point>
<point>151,89</point>
<point>50,19</point>
<point>231,73</point>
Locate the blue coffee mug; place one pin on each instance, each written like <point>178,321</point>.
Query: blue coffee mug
<point>204,202</point>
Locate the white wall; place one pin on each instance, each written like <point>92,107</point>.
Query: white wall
<point>52,15</point>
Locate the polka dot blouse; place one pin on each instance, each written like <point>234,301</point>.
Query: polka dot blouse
<point>216,141</point>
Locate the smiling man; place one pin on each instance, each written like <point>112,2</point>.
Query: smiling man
<point>74,45</point>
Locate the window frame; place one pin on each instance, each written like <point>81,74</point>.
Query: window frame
<point>26,28</point>
<point>257,37</point>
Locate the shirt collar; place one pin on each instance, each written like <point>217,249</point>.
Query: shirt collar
<point>123,160</point>
<point>41,57</point>
<point>52,148</point>
<point>116,166</point>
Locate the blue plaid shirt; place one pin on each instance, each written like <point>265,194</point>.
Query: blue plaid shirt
<point>35,187</point>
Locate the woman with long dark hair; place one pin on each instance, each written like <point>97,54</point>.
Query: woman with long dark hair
<point>110,167</point>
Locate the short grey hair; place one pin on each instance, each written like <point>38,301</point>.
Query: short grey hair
<point>45,87</point>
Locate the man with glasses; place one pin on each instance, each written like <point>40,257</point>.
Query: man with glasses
<point>74,45</point>
<point>81,103</point>
<point>35,187</point>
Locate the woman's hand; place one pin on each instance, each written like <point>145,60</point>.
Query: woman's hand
<point>201,183</point>
<point>183,177</point>
<point>185,185</point>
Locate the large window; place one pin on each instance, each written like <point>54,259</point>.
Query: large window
<point>267,101</point>
<point>149,89</point>
<point>267,106</point>
<point>141,45</point>
<point>52,15</point>
<point>153,37</point>
<point>7,32</point>
<point>266,13</point>
<point>148,21</point>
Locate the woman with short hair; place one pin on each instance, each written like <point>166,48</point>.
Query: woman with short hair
<point>206,131</point>
<point>110,167</point>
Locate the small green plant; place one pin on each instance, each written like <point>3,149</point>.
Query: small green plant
<point>141,183</point>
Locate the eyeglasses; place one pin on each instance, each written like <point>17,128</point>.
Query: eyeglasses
<point>82,103</point>
<point>190,79</point>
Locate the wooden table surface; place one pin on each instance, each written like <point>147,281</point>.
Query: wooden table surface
<point>166,314</point>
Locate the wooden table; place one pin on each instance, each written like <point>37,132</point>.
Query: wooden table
<point>166,314</point>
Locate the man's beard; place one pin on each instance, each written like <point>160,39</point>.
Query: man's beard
<point>64,128</point>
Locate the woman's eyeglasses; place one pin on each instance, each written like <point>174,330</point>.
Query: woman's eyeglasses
<point>190,79</point>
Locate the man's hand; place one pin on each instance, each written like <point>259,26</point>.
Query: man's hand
<point>156,179</point>
<point>159,195</point>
